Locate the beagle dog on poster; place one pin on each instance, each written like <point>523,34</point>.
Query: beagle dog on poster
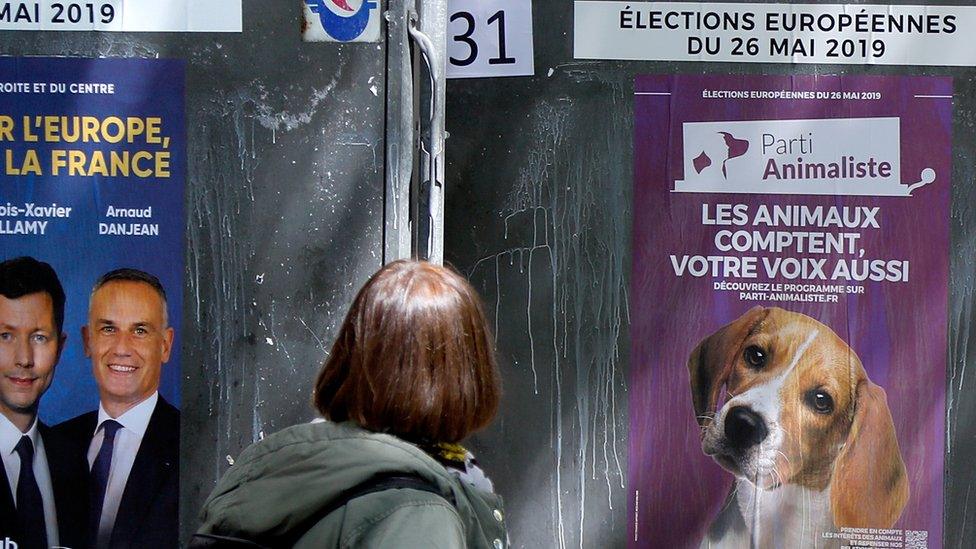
<point>788,311</point>
<point>785,405</point>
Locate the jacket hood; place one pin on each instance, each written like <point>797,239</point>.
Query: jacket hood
<point>278,483</point>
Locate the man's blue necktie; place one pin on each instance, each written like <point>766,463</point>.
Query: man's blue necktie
<point>30,506</point>
<point>99,478</point>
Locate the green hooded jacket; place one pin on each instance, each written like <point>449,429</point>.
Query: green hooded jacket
<point>277,484</point>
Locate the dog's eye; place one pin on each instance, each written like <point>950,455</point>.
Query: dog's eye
<point>755,357</point>
<point>820,401</point>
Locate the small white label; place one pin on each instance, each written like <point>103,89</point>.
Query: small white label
<point>489,38</point>
<point>341,20</point>
<point>122,15</point>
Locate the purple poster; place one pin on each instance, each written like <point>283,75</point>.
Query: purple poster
<point>788,310</point>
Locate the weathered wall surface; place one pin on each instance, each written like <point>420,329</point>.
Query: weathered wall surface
<point>284,222</point>
<point>538,192</point>
<point>284,202</point>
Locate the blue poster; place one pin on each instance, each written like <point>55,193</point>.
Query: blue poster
<point>92,171</point>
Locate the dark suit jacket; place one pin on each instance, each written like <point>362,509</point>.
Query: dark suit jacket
<point>148,513</point>
<point>69,482</point>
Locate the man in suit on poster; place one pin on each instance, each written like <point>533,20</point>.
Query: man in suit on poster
<point>132,440</point>
<point>42,473</point>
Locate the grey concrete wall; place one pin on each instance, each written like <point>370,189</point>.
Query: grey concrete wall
<point>284,202</point>
<point>284,221</point>
<point>538,192</point>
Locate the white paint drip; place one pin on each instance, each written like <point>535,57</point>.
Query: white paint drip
<point>287,121</point>
<point>315,336</point>
<point>585,287</point>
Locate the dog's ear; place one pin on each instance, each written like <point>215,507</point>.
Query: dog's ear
<point>711,362</point>
<point>869,487</point>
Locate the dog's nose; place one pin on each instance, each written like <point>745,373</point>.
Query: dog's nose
<point>744,428</point>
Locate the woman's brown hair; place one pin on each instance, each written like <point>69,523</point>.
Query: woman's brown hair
<point>413,357</point>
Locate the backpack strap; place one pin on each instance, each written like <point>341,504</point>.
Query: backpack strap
<point>381,483</point>
<point>378,483</point>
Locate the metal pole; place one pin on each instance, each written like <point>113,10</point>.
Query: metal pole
<point>430,34</point>
<point>400,139</point>
<point>424,22</point>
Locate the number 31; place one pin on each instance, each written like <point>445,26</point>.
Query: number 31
<point>500,59</point>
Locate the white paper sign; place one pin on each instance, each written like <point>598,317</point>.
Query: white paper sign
<point>489,38</point>
<point>123,15</point>
<point>776,33</point>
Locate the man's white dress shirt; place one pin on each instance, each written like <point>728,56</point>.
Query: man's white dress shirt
<point>127,440</point>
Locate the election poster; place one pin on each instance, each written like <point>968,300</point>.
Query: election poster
<point>91,194</point>
<point>789,310</point>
